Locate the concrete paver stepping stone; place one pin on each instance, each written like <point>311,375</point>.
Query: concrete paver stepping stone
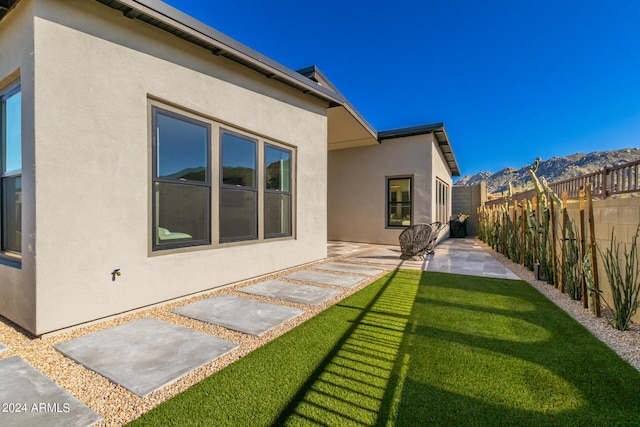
<point>239,314</point>
<point>3,347</point>
<point>146,354</point>
<point>325,278</point>
<point>30,398</point>
<point>303,294</point>
<point>349,268</point>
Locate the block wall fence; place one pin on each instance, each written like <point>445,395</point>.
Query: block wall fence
<point>466,200</point>
<point>619,216</point>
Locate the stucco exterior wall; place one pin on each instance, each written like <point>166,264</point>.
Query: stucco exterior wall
<point>17,282</point>
<point>357,187</point>
<point>96,73</point>
<point>440,171</point>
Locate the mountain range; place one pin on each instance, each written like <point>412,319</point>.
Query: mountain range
<point>554,169</point>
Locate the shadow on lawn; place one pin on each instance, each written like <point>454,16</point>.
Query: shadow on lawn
<point>419,353</point>
<point>351,384</point>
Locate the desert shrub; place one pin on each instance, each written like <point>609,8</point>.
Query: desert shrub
<point>624,279</point>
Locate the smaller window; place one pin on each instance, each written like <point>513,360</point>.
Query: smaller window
<point>277,192</point>
<point>399,202</point>
<point>11,172</point>
<point>238,188</point>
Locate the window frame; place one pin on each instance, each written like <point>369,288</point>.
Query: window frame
<point>388,202</point>
<point>5,94</point>
<point>255,189</point>
<point>279,192</point>
<point>155,178</point>
<point>442,201</point>
<point>215,172</point>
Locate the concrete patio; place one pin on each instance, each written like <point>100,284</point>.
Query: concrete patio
<point>147,354</point>
<point>456,256</point>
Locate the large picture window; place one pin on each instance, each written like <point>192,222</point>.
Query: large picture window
<point>238,187</point>
<point>277,192</point>
<point>181,180</point>
<point>215,185</point>
<point>11,176</point>
<point>399,202</point>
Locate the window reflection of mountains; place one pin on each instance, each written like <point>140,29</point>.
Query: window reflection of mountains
<point>234,175</point>
<point>275,176</point>
<point>238,175</point>
<point>190,174</point>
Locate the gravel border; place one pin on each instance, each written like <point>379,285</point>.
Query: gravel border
<point>115,404</point>
<point>625,343</point>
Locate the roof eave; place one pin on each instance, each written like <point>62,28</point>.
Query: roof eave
<point>169,19</point>
<point>6,6</point>
<point>439,132</point>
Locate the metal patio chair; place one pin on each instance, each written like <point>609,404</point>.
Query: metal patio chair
<point>414,240</point>
<point>436,227</point>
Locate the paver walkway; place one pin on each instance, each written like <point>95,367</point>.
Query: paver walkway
<point>146,354</point>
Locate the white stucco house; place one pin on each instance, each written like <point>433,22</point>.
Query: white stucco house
<point>139,140</point>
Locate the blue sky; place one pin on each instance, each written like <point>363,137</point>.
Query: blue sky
<point>511,80</point>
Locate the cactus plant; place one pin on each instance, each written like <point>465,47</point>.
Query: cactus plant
<point>571,266</point>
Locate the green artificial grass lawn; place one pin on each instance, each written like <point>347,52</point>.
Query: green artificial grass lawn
<point>420,348</point>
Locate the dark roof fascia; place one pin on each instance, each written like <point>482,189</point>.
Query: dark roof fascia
<point>167,18</point>
<point>6,6</point>
<point>313,73</point>
<point>440,134</point>
<point>410,131</point>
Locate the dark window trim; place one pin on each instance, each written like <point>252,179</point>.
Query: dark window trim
<point>388,202</point>
<point>286,193</point>
<point>254,189</point>
<point>8,257</point>
<point>155,110</point>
